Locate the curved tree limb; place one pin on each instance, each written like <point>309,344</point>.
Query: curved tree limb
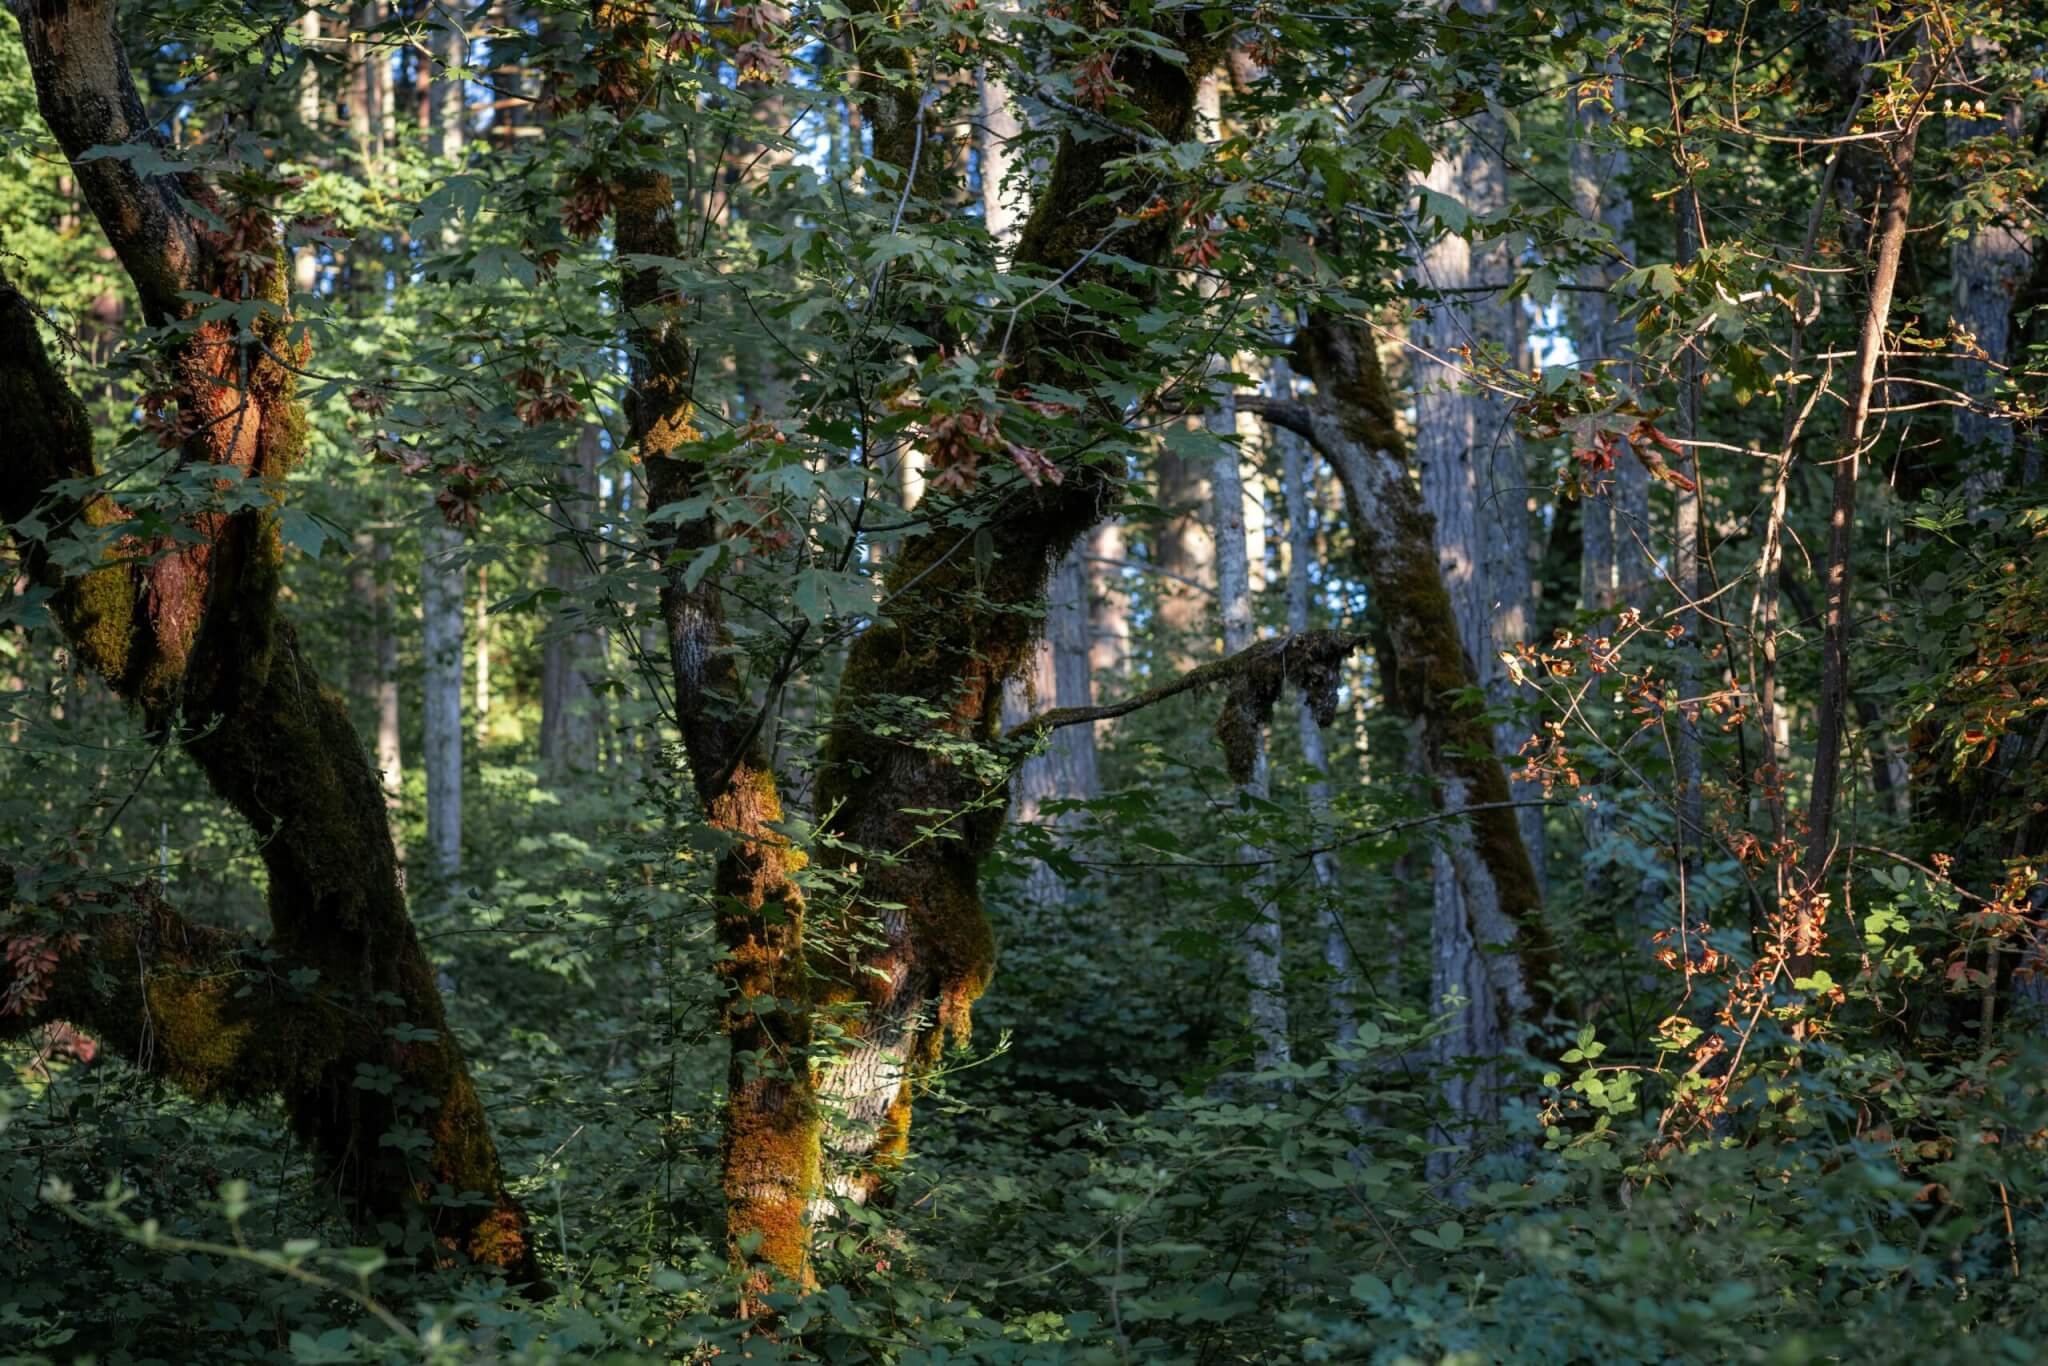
<point>1351,424</point>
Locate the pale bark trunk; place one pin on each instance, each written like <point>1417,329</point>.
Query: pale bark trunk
<point>1473,477</point>
<point>1058,677</point>
<point>1263,957</point>
<point>998,131</point>
<point>384,642</point>
<point>1337,956</point>
<point>483,650</point>
<point>451,104</point>
<point>568,721</point>
<point>1109,605</point>
<point>441,603</point>
<point>1185,552</point>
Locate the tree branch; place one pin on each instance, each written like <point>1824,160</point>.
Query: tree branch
<point>1295,656</point>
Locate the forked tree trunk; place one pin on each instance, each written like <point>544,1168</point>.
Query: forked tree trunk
<point>955,632</point>
<point>187,630</point>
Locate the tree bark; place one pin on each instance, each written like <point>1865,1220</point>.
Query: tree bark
<point>441,604</point>
<point>1109,611</point>
<point>1472,474</point>
<point>568,741</point>
<point>187,631</point>
<point>1059,672</point>
<point>1337,955</point>
<point>957,627</point>
<point>1490,947</point>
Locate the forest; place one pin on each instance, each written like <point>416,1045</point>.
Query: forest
<point>1068,681</point>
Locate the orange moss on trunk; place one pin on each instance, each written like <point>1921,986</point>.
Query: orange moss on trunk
<point>771,1127</point>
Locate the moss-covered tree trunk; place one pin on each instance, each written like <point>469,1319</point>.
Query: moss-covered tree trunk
<point>771,1130</point>
<point>1490,942</point>
<point>957,627</point>
<point>187,630</point>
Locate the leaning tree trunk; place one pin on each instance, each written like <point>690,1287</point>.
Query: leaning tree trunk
<point>187,630</point>
<point>1490,944</point>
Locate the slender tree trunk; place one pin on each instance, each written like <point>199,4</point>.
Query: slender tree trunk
<point>1337,956</point>
<point>567,711</point>
<point>1894,204</point>
<point>384,638</point>
<point>1685,573</point>
<point>441,603</point>
<point>483,650</point>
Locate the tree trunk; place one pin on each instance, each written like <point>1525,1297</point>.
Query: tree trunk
<point>1614,522</point>
<point>186,629</point>
<point>384,641</point>
<point>1894,204</point>
<point>954,634</point>
<point>1185,552</point>
<point>568,722</point>
<point>1059,676</point>
<point>441,604</point>
<point>1473,481</point>
<point>1109,605</point>
<point>1489,944</point>
<point>1987,268</point>
<point>1337,956</point>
